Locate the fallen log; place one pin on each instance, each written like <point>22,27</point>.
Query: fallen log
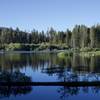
<point>69,84</point>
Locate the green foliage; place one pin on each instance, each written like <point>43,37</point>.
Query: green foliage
<point>18,47</point>
<point>13,47</point>
<point>62,54</point>
<point>42,47</point>
<point>65,54</point>
<point>86,49</point>
<point>81,38</point>
<point>89,54</point>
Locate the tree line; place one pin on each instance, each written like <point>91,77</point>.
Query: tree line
<point>80,36</point>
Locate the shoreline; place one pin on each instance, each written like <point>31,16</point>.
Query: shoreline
<point>61,52</point>
<point>41,51</point>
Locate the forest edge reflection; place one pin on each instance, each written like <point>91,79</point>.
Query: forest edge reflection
<point>51,65</point>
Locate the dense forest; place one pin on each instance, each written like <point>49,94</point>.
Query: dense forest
<point>80,36</point>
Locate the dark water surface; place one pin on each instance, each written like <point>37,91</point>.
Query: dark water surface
<point>48,68</point>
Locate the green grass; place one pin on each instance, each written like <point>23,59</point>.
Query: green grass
<point>64,54</point>
<point>32,47</point>
<point>86,52</point>
<point>91,53</point>
<point>52,47</point>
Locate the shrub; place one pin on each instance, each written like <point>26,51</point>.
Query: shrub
<point>86,49</point>
<point>13,46</point>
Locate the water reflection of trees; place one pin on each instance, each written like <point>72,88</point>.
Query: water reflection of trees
<point>6,76</point>
<point>39,60</point>
<point>67,75</point>
<point>86,64</point>
<point>8,64</point>
<point>73,68</point>
<point>51,64</point>
<point>76,68</point>
<point>66,92</point>
<point>17,61</point>
<point>7,91</point>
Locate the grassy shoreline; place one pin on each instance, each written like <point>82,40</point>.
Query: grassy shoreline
<point>32,47</point>
<point>29,52</point>
<point>80,53</point>
<point>61,49</point>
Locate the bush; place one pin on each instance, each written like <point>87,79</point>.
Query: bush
<point>42,47</point>
<point>65,54</point>
<point>19,47</point>
<point>86,49</point>
<point>34,46</point>
<point>13,46</point>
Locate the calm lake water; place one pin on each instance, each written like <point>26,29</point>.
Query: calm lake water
<point>46,67</point>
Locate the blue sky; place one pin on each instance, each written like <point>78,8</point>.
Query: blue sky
<point>41,14</point>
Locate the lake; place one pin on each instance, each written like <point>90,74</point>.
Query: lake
<point>48,67</point>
